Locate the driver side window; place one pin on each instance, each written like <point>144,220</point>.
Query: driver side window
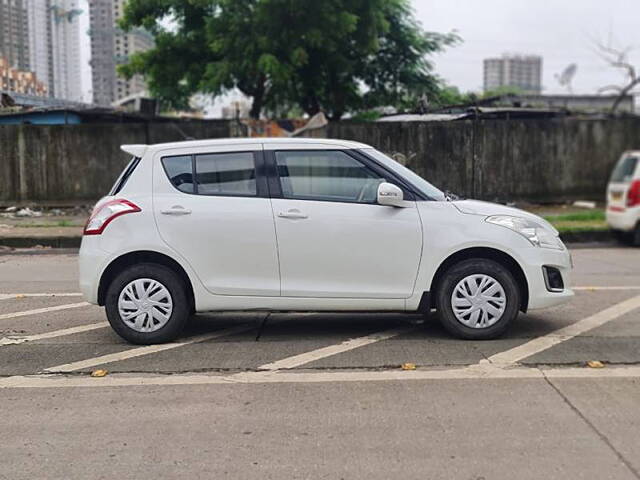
<point>326,175</point>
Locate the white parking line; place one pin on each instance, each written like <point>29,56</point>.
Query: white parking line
<point>558,336</point>
<point>7,296</point>
<point>36,311</point>
<point>140,351</point>
<point>485,372</point>
<point>606,288</point>
<point>17,339</point>
<point>313,355</point>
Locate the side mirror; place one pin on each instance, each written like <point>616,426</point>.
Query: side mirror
<point>391,195</point>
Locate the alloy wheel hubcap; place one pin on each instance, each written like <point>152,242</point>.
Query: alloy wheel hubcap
<point>145,305</point>
<point>478,301</point>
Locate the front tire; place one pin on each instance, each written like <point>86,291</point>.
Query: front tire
<point>147,304</point>
<point>477,299</point>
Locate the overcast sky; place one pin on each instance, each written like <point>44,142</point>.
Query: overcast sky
<point>558,30</point>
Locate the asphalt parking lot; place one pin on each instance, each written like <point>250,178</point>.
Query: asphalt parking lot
<point>256,395</point>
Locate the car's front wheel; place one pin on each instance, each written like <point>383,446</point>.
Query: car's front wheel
<point>147,304</point>
<point>477,299</point>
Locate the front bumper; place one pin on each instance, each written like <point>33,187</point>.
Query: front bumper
<point>532,262</point>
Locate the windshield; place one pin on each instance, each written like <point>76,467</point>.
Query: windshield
<point>416,181</point>
<point>624,170</point>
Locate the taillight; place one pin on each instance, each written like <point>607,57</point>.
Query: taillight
<point>633,196</point>
<point>103,215</point>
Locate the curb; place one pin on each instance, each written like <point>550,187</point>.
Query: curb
<point>30,242</point>
<point>587,236</point>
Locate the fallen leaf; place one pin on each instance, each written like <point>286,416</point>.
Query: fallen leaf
<point>99,373</point>
<point>595,364</point>
<point>408,366</point>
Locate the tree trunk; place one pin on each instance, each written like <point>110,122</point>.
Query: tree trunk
<point>258,98</point>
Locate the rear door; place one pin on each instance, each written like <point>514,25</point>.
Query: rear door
<point>211,206</point>
<point>621,178</point>
<point>334,240</point>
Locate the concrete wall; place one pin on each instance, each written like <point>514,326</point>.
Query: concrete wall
<point>534,160</point>
<point>78,162</point>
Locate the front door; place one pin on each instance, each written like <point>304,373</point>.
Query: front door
<point>334,240</point>
<point>212,207</point>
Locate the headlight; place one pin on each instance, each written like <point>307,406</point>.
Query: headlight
<point>537,234</point>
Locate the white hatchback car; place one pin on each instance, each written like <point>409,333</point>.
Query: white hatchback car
<point>307,225</point>
<point>623,198</point>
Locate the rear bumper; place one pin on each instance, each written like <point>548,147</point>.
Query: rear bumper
<point>625,220</point>
<point>90,262</point>
<point>533,261</point>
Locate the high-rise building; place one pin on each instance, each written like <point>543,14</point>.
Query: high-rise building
<point>40,54</point>
<point>65,48</point>
<point>14,36</point>
<point>110,47</point>
<point>43,36</point>
<point>522,72</point>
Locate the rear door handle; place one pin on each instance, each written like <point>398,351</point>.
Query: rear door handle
<point>293,214</point>
<point>176,210</point>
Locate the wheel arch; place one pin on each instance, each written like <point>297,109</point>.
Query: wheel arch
<point>488,253</point>
<point>118,264</point>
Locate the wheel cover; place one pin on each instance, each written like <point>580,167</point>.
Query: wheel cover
<point>145,305</point>
<point>478,301</point>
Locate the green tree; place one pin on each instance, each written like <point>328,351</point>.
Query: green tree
<point>338,56</point>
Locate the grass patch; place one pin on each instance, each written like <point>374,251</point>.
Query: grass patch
<point>59,223</point>
<point>587,221</point>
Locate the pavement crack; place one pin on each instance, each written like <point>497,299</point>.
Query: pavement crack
<point>601,435</point>
<point>262,325</point>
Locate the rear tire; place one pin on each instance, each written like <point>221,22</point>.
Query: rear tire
<point>147,304</point>
<point>477,299</point>
<point>625,238</point>
<point>636,236</point>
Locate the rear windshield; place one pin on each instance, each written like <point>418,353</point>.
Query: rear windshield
<point>124,176</point>
<point>624,170</point>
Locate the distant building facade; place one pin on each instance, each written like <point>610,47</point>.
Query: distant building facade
<point>14,33</point>
<point>43,36</point>
<point>522,72</point>
<point>110,47</point>
<point>19,81</point>
<point>65,48</point>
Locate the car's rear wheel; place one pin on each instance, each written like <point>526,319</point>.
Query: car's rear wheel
<point>636,236</point>
<point>147,304</point>
<point>477,299</point>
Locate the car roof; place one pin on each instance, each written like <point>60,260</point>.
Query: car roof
<point>140,149</point>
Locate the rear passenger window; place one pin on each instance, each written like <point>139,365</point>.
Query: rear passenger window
<point>230,174</point>
<point>226,174</point>
<point>180,172</point>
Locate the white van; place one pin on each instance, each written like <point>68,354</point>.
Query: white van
<point>623,198</point>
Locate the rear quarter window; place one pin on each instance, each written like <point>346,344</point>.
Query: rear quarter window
<point>624,170</point>
<point>124,176</point>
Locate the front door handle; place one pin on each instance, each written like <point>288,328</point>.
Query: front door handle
<point>294,213</point>
<point>176,210</point>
